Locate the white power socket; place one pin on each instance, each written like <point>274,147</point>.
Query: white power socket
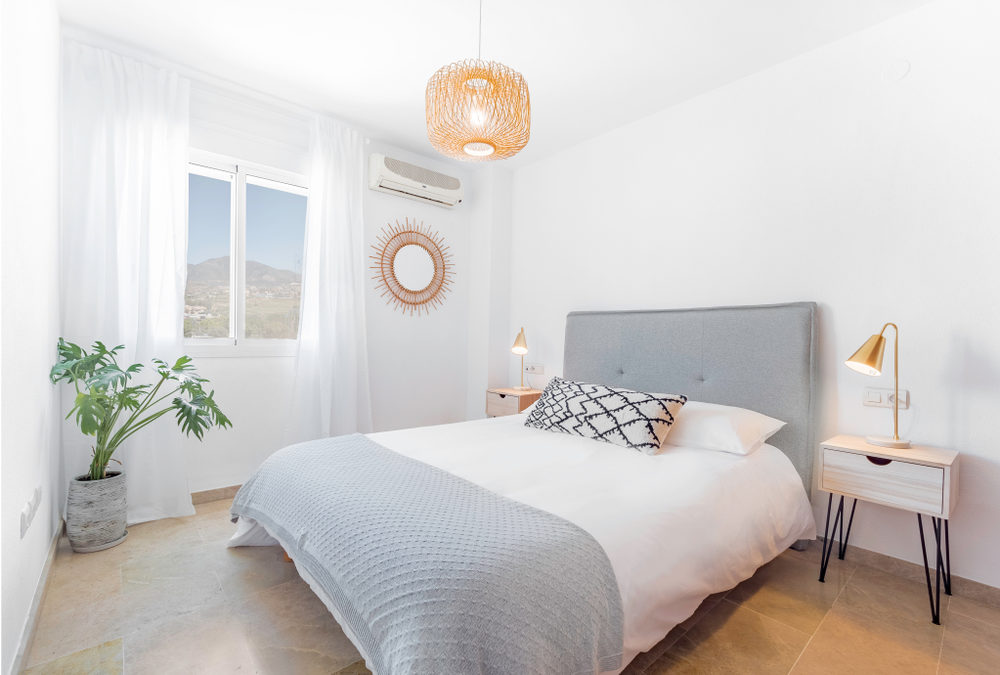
<point>882,398</point>
<point>30,509</point>
<point>534,369</point>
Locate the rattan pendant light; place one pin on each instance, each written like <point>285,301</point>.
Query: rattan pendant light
<point>478,110</point>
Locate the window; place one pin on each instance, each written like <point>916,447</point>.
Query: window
<point>275,238</point>
<point>207,297</point>
<point>246,239</point>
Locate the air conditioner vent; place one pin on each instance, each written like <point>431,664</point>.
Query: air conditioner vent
<point>387,174</point>
<point>422,175</point>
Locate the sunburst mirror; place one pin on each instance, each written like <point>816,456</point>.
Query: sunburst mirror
<point>412,267</point>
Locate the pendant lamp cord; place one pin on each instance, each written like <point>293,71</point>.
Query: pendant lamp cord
<point>480,30</point>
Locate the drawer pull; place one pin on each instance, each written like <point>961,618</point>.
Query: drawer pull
<point>878,461</point>
<point>502,395</point>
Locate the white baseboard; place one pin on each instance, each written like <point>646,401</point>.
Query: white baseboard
<point>24,644</point>
<point>960,586</point>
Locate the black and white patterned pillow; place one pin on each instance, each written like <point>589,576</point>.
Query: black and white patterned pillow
<point>633,419</point>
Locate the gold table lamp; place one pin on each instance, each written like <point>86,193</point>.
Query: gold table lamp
<point>868,361</point>
<point>520,347</point>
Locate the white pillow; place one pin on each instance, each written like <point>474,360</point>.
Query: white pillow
<point>710,426</point>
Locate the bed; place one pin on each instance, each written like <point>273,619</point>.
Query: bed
<point>675,527</point>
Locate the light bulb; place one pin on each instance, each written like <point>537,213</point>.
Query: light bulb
<point>479,149</point>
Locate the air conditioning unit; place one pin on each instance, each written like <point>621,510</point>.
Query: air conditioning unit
<point>387,174</point>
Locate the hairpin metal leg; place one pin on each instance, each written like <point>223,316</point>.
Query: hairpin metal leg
<point>824,559</point>
<point>845,537</point>
<point>942,569</point>
<point>946,563</point>
<point>828,534</point>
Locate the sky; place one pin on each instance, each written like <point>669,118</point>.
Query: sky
<point>275,223</point>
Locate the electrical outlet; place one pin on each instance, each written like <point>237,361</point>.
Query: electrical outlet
<point>534,369</point>
<point>30,509</point>
<point>882,398</point>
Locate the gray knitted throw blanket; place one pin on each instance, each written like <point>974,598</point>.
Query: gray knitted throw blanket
<point>435,574</point>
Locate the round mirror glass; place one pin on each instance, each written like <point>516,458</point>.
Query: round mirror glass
<point>413,267</point>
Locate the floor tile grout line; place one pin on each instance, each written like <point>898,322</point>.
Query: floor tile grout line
<point>678,657</point>
<point>684,632</point>
<point>962,614</point>
<point>823,620</point>
<point>771,618</point>
<point>121,582</point>
<point>27,664</point>
<point>944,630</point>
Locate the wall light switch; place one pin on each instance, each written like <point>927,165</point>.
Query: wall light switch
<point>882,398</point>
<point>534,368</point>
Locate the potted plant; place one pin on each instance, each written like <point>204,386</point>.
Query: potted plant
<point>111,408</point>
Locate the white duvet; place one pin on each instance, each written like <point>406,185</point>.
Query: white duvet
<point>676,527</point>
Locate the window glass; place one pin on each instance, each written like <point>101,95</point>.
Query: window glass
<point>275,241</point>
<point>210,219</point>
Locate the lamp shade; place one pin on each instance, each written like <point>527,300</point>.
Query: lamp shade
<point>868,359</point>
<point>478,110</point>
<point>520,344</point>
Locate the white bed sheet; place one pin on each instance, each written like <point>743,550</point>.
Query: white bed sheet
<point>676,527</point>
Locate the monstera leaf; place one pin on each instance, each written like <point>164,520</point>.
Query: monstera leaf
<point>111,408</point>
<point>90,413</point>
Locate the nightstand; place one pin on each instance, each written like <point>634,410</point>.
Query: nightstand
<point>918,479</point>
<point>501,402</point>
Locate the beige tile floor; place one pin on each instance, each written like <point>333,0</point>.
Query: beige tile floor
<point>173,599</point>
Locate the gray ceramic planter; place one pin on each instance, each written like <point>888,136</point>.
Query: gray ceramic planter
<point>95,512</point>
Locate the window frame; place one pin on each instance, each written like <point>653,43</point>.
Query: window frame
<point>212,165</point>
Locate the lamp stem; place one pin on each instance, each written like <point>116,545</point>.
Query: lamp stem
<point>522,371</point>
<point>895,377</point>
<point>480,57</point>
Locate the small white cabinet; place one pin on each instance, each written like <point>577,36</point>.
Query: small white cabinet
<point>509,401</point>
<point>919,479</point>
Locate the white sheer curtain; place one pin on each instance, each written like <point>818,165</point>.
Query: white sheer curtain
<point>331,393</point>
<point>124,244</point>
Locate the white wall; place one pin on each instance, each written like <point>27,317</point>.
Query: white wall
<point>862,175</point>
<point>29,425</point>
<point>254,393</point>
<point>490,257</point>
<point>419,365</point>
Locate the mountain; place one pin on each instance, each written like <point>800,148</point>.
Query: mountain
<point>216,271</point>
<point>259,274</point>
<point>213,270</point>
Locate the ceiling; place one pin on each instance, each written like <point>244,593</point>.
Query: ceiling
<point>591,66</point>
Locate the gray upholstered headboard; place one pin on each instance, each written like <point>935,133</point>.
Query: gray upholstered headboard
<point>760,357</point>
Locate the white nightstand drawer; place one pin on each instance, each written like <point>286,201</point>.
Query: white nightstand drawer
<point>905,485</point>
<point>501,404</point>
<point>508,401</point>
